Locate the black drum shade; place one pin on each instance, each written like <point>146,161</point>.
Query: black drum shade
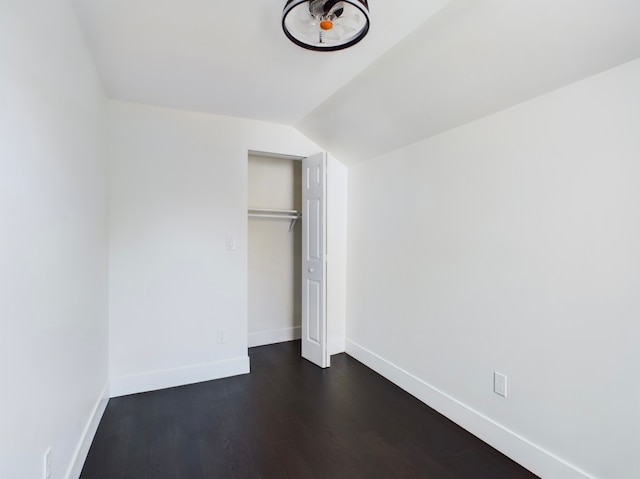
<point>325,25</point>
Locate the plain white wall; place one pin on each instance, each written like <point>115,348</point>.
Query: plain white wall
<point>512,244</point>
<point>178,189</point>
<point>275,297</point>
<point>53,241</point>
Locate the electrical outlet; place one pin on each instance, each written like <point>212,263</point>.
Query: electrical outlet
<point>47,464</point>
<point>221,336</point>
<point>500,384</point>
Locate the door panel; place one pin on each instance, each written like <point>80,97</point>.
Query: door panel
<point>314,215</point>
<point>313,300</point>
<point>314,320</point>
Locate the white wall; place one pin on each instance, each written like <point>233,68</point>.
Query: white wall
<point>53,241</point>
<point>511,244</point>
<point>274,252</point>
<point>178,189</point>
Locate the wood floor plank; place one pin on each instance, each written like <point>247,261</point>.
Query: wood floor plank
<point>288,420</point>
<point>293,462</point>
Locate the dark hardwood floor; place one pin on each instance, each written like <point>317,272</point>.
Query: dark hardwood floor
<point>287,419</point>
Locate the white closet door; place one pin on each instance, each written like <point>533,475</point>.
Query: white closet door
<point>314,311</point>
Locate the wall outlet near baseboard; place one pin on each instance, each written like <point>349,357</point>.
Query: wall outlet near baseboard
<point>500,384</point>
<point>221,336</point>
<point>47,464</point>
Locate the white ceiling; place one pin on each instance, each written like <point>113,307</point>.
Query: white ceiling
<point>228,57</point>
<point>472,59</point>
<point>425,67</point>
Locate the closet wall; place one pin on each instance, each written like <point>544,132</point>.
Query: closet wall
<point>274,252</point>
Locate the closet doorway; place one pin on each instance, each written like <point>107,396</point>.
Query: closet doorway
<point>274,249</point>
<point>286,253</point>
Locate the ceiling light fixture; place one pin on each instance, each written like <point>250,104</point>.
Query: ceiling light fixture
<point>325,25</point>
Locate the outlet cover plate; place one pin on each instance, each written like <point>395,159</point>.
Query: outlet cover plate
<point>500,384</point>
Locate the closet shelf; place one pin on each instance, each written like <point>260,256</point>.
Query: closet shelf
<point>292,215</point>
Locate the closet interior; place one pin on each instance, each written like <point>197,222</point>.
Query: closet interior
<point>274,249</point>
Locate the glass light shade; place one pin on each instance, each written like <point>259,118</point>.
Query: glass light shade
<point>325,25</point>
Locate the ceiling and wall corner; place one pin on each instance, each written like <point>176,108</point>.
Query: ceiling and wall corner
<point>472,59</point>
<point>425,66</point>
<point>228,58</point>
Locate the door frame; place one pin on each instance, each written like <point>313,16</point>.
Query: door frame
<point>325,326</point>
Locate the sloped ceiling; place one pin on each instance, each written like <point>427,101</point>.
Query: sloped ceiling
<point>426,66</point>
<point>473,58</point>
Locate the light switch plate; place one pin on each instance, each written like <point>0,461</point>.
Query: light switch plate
<point>231,243</point>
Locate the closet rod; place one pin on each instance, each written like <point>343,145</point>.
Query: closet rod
<point>265,215</point>
<point>292,215</point>
<point>273,211</point>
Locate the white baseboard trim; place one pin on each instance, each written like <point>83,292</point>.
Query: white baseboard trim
<point>336,346</point>
<point>168,378</point>
<point>89,432</point>
<point>260,338</point>
<point>533,457</point>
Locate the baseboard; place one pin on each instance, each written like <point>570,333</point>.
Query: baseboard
<point>154,380</point>
<point>89,432</point>
<point>336,346</point>
<point>260,338</point>
<point>531,456</point>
